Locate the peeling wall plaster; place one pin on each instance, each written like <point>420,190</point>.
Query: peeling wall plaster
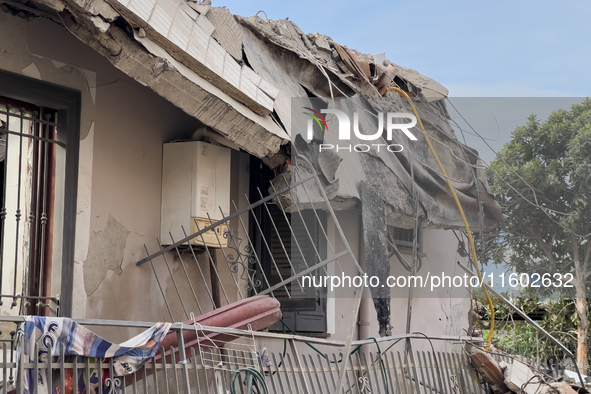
<point>105,252</point>
<point>31,71</point>
<point>83,220</point>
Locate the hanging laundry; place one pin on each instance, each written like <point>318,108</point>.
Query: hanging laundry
<point>48,333</point>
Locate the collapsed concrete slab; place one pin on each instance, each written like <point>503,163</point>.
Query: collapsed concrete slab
<point>490,369</point>
<point>101,27</point>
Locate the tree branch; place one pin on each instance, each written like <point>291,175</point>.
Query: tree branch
<point>545,247</point>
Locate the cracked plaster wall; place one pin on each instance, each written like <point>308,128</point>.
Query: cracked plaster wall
<point>132,124</point>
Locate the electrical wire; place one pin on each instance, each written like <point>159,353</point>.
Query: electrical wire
<point>455,196</point>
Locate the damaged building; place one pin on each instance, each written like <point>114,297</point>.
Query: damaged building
<point>158,167</point>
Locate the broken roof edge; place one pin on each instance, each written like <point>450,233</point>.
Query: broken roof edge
<point>188,37</point>
<point>309,46</point>
<point>101,16</point>
<point>221,125</point>
<point>176,83</point>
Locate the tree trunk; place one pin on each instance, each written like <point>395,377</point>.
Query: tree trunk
<point>581,307</point>
<point>582,360</point>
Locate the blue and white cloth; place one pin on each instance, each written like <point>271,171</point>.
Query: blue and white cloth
<point>50,332</point>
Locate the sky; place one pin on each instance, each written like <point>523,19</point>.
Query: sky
<point>475,49</point>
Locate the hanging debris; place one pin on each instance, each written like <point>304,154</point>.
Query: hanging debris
<point>376,251</point>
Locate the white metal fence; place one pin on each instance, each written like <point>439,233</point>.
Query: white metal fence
<point>225,370</point>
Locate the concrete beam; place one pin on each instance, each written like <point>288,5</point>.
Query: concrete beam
<point>257,134</point>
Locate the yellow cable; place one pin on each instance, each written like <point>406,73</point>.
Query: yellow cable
<point>453,192</point>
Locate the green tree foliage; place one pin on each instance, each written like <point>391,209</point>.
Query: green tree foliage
<point>542,179</point>
<point>518,337</point>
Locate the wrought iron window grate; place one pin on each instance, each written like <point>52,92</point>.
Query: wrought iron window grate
<point>264,246</point>
<point>30,157</point>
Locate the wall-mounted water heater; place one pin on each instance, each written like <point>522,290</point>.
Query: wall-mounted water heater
<point>195,184</point>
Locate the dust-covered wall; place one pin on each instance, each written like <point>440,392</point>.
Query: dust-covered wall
<point>123,181</point>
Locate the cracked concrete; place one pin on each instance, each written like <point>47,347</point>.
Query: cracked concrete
<point>105,253</point>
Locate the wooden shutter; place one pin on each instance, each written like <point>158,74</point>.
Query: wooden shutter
<point>305,310</point>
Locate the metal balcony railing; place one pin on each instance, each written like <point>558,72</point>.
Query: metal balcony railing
<point>220,370</point>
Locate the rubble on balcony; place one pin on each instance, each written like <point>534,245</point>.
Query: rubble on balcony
<point>513,374</point>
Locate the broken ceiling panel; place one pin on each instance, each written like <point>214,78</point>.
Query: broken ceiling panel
<point>227,31</point>
<point>189,37</point>
<point>149,64</point>
<point>254,133</point>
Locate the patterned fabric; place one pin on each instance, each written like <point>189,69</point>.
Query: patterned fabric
<point>49,333</point>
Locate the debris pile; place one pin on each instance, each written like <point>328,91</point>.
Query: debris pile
<point>363,74</point>
<point>519,377</point>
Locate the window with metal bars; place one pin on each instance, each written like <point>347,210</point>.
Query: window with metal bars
<point>27,176</point>
<point>39,138</point>
<point>405,236</point>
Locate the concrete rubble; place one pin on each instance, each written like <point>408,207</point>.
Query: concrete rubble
<point>489,369</point>
<point>518,377</point>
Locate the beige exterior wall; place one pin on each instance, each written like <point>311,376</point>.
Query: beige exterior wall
<point>17,56</point>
